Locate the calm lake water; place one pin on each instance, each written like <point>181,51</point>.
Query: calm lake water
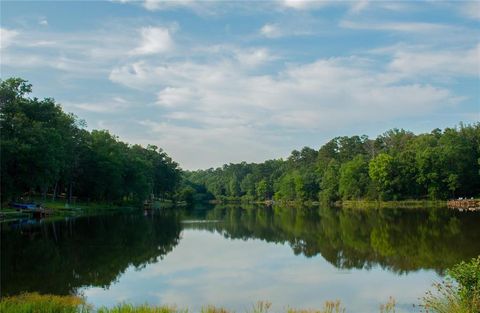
<point>233,256</point>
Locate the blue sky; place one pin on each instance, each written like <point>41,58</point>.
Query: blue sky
<point>218,82</point>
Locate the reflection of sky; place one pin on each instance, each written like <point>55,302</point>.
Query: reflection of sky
<point>205,268</point>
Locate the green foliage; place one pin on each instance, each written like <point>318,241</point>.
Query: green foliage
<point>186,194</point>
<point>329,183</point>
<point>354,179</point>
<point>459,293</point>
<point>45,150</point>
<point>396,165</point>
<point>467,275</point>
<point>382,172</point>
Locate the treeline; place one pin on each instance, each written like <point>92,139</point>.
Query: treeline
<point>396,165</point>
<point>47,151</point>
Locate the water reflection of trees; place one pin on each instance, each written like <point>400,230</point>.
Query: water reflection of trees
<point>63,256</point>
<point>399,240</point>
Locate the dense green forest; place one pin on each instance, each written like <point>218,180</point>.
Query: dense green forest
<point>396,165</point>
<point>45,150</point>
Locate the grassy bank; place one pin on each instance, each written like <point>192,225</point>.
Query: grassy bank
<point>402,204</point>
<point>348,204</point>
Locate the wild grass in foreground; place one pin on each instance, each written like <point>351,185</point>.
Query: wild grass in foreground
<point>36,303</point>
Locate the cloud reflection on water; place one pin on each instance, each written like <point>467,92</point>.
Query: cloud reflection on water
<point>206,268</point>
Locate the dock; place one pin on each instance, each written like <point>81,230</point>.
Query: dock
<point>464,204</point>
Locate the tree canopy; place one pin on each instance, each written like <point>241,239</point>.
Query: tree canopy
<point>396,165</point>
<point>44,149</point>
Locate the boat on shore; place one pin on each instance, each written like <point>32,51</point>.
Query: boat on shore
<point>32,208</point>
<point>24,206</point>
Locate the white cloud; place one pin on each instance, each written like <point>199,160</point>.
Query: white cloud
<point>434,64</point>
<point>304,4</point>
<point>43,22</point>
<point>226,99</point>
<point>176,97</point>
<point>358,6</point>
<point>200,7</point>
<point>302,27</point>
<point>112,105</point>
<point>421,27</point>
<point>154,5</point>
<point>271,31</point>
<point>154,40</point>
<point>253,57</point>
<point>7,36</point>
<point>470,9</point>
<point>76,53</point>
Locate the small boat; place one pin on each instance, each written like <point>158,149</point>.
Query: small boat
<point>24,206</point>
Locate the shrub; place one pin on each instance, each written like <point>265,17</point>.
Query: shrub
<point>459,292</point>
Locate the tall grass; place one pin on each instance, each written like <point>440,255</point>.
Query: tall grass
<point>329,307</point>
<point>144,308</point>
<point>34,302</point>
<point>388,307</point>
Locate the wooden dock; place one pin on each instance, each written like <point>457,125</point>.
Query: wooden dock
<point>464,204</point>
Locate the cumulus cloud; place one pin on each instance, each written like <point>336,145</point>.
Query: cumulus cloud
<point>270,31</point>
<point>304,4</point>
<point>154,40</point>
<point>470,9</point>
<point>176,96</point>
<point>153,5</point>
<point>442,64</point>
<point>253,57</point>
<point>310,95</point>
<point>227,99</point>
<point>7,36</point>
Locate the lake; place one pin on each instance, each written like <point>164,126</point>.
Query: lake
<point>233,256</point>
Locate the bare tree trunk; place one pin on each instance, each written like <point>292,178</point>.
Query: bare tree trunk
<point>55,191</point>
<point>70,187</point>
